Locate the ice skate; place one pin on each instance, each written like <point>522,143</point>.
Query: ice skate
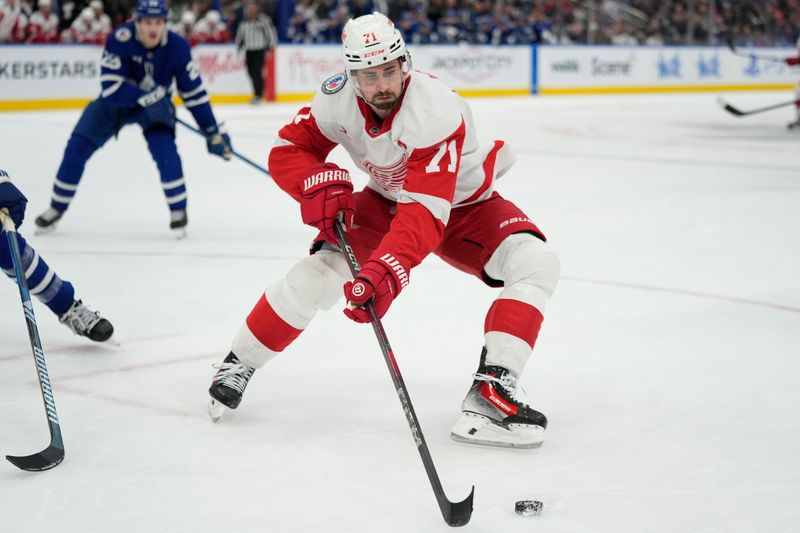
<point>46,222</point>
<point>177,223</point>
<point>794,125</point>
<point>492,416</point>
<point>227,386</point>
<point>86,323</point>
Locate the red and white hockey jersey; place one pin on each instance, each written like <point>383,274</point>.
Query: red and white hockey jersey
<point>425,155</point>
<point>43,29</point>
<point>13,22</point>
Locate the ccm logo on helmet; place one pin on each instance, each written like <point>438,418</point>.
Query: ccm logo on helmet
<point>374,52</point>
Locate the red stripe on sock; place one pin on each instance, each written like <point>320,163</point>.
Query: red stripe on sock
<point>270,329</point>
<point>515,318</point>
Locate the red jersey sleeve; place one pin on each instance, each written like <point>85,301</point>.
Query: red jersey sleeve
<point>423,208</point>
<point>300,146</point>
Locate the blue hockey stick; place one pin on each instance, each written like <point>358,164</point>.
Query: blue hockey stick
<point>53,454</point>
<point>233,152</point>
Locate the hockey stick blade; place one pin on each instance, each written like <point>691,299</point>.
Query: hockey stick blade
<point>739,113</point>
<point>44,460</point>
<point>458,514</point>
<point>728,107</point>
<point>454,513</point>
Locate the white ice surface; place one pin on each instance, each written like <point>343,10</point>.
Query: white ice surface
<point>668,363</point>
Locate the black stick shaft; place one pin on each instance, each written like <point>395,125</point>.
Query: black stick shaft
<point>739,113</point>
<point>233,152</point>
<point>54,453</point>
<point>455,514</point>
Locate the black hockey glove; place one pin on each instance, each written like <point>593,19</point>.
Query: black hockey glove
<point>12,199</point>
<point>219,142</point>
<point>158,108</point>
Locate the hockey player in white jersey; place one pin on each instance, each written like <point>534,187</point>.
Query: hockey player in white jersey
<point>431,189</point>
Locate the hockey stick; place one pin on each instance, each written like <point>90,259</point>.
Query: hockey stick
<point>233,152</point>
<point>53,454</point>
<point>454,513</point>
<point>739,113</point>
<point>729,42</point>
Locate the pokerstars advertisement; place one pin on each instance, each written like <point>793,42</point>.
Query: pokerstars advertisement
<point>43,72</point>
<point>564,69</point>
<point>301,69</point>
<point>48,73</point>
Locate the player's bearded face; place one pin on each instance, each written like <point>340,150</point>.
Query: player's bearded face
<point>151,30</point>
<point>381,86</point>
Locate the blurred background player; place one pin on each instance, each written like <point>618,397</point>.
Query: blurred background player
<point>256,36</point>
<point>211,29</point>
<point>43,26</point>
<point>139,64</point>
<point>793,62</point>
<point>43,282</point>
<point>431,189</point>
<point>13,21</point>
<point>185,27</point>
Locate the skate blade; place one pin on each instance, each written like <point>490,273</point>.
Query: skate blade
<point>215,410</point>
<point>112,340</point>
<point>44,231</point>
<point>472,428</point>
<point>180,233</point>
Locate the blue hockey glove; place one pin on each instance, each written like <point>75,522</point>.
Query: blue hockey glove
<point>219,142</point>
<point>12,199</point>
<point>158,108</point>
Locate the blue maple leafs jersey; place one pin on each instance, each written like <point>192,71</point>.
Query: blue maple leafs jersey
<point>128,70</point>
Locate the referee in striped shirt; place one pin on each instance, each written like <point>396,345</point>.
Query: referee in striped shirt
<point>256,35</point>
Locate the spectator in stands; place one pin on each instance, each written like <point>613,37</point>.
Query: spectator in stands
<point>621,34</point>
<point>358,8</point>
<point>537,28</point>
<point>13,21</point>
<point>331,29</point>
<point>211,29</point>
<point>100,23</point>
<point>80,31</point>
<point>654,34</point>
<point>43,26</point>
<point>452,25</point>
<point>484,28</point>
<point>87,29</point>
<point>185,27</point>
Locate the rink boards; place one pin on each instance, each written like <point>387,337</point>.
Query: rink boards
<point>67,76</point>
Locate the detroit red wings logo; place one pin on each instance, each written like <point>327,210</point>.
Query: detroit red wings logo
<point>390,177</point>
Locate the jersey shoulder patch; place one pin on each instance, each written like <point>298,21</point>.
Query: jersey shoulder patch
<point>334,84</point>
<point>123,35</point>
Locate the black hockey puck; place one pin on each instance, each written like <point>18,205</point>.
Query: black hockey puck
<point>528,507</point>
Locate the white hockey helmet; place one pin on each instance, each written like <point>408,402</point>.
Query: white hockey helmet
<point>371,40</point>
<point>213,16</point>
